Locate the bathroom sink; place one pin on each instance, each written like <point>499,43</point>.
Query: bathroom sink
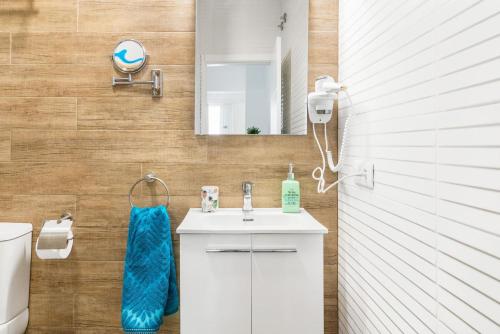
<point>257,221</point>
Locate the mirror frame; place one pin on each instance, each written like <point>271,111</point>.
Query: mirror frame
<point>124,70</point>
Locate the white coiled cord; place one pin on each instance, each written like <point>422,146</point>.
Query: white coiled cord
<point>318,173</point>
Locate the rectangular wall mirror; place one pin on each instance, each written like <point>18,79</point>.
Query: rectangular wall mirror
<point>251,67</point>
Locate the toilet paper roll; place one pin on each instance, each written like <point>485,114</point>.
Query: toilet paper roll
<point>53,240</point>
<point>55,254</point>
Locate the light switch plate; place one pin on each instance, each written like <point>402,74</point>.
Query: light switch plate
<point>367,180</point>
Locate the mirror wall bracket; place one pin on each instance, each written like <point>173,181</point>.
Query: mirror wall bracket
<point>156,82</point>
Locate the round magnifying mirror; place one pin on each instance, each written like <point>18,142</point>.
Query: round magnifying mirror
<point>129,56</point>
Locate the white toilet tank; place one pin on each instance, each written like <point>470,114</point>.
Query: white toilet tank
<point>15,261</point>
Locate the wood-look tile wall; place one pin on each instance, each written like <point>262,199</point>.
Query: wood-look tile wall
<point>69,141</point>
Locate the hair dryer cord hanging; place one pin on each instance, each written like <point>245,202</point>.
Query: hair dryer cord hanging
<point>318,173</point>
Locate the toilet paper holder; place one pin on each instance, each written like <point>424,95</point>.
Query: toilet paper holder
<point>65,215</point>
<point>55,240</point>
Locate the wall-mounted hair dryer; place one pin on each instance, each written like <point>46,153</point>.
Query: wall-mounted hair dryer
<point>320,109</point>
<point>320,102</point>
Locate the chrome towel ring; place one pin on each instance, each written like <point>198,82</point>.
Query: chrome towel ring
<point>149,178</point>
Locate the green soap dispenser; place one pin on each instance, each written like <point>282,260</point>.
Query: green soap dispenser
<point>290,193</point>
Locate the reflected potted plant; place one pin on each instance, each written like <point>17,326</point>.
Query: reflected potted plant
<point>253,130</point>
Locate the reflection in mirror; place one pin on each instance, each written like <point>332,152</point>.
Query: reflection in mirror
<point>251,67</point>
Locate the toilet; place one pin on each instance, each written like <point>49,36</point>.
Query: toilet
<point>15,261</point>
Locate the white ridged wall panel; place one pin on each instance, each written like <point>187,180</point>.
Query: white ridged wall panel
<point>420,253</point>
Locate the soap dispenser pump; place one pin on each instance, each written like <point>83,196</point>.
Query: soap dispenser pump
<point>290,193</point>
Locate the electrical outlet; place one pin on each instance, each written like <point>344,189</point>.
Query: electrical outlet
<point>367,180</point>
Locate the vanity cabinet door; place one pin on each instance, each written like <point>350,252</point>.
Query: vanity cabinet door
<point>215,284</point>
<point>287,284</point>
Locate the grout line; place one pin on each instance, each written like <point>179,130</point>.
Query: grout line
<point>10,153</point>
<point>77,14</point>
<point>10,48</point>
<point>76,113</point>
<point>73,310</point>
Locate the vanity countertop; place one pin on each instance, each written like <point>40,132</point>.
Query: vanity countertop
<point>262,220</point>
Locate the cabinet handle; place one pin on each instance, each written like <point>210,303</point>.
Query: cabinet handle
<point>228,250</point>
<point>282,250</point>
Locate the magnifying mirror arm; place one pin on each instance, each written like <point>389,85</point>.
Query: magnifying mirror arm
<point>123,81</point>
<point>129,81</point>
<point>156,82</point>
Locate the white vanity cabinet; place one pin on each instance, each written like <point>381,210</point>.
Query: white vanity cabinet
<point>287,283</point>
<point>216,284</point>
<point>251,278</point>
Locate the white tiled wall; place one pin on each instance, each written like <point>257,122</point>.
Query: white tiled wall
<point>421,252</point>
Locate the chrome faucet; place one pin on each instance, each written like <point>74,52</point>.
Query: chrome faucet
<point>247,187</point>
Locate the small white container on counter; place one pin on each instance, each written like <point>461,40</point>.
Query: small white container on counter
<point>209,198</point>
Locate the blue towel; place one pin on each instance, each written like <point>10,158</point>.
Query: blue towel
<point>149,282</point>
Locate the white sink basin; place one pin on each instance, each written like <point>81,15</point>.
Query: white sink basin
<point>258,221</point>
